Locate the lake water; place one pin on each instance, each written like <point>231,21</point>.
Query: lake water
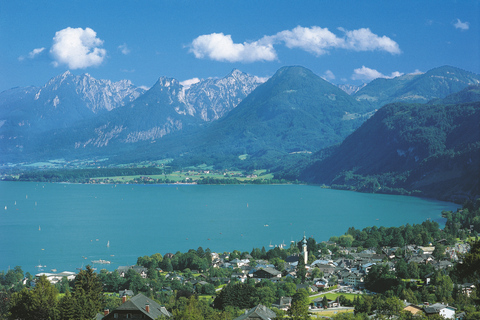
<point>66,226</point>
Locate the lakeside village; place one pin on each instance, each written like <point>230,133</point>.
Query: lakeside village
<point>408,272</point>
<point>150,173</point>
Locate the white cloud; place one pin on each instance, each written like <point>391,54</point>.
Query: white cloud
<point>77,48</point>
<point>32,54</point>
<point>35,52</point>
<point>364,40</point>
<point>220,47</point>
<point>368,74</point>
<point>124,49</point>
<point>462,25</point>
<point>417,71</point>
<point>188,83</point>
<point>315,40</point>
<point>261,79</point>
<point>395,74</point>
<point>328,75</point>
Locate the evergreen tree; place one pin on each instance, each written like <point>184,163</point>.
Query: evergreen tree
<point>88,294</point>
<point>301,270</point>
<point>191,311</point>
<point>67,307</point>
<point>299,308</point>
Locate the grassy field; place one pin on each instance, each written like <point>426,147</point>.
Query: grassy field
<point>192,176</point>
<point>333,296</point>
<point>329,313</point>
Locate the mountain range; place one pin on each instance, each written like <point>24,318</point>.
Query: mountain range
<point>80,111</point>
<point>419,87</point>
<point>246,122</point>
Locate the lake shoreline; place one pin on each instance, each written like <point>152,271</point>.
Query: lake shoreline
<point>144,219</point>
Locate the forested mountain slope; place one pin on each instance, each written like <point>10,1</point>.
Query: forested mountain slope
<point>431,150</point>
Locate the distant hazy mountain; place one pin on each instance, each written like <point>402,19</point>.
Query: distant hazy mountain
<point>29,115</point>
<point>82,112</point>
<point>432,149</point>
<point>64,100</point>
<point>419,88</point>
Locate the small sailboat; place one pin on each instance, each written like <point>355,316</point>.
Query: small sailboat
<point>270,245</point>
<point>108,244</point>
<point>39,228</point>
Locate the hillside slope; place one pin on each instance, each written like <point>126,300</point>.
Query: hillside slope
<point>416,88</point>
<point>431,150</point>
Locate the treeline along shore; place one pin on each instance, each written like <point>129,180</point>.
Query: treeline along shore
<point>147,175</point>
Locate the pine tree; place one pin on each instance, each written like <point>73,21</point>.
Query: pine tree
<point>299,307</point>
<point>67,307</point>
<point>88,294</point>
<point>301,270</point>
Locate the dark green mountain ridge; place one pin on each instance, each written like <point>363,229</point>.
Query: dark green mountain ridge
<point>429,149</point>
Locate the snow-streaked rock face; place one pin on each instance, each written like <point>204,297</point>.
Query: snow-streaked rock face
<point>103,113</point>
<point>208,99</point>
<point>213,98</point>
<point>98,95</point>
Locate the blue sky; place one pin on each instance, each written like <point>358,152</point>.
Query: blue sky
<point>344,41</point>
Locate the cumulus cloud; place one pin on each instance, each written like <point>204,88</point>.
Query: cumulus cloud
<point>461,25</point>
<point>365,40</point>
<point>417,71</point>
<point>32,54</point>
<point>315,40</point>
<point>368,74</point>
<point>328,75</point>
<point>220,47</point>
<point>188,83</point>
<point>124,49</point>
<point>77,48</point>
<point>261,79</point>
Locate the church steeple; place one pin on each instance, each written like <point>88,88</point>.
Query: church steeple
<point>304,247</point>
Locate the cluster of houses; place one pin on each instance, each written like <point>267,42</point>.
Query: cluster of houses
<point>348,273</point>
<point>141,307</point>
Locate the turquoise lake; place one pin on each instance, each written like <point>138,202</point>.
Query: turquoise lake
<point>66,226</point>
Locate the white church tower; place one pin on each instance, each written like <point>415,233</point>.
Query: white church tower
<point>304,246</point>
